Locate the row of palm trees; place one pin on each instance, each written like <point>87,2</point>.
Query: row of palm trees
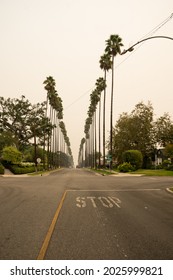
<point>88,146</point>
<point>56,140</point>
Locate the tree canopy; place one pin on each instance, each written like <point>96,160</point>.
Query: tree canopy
<point>138,131</point>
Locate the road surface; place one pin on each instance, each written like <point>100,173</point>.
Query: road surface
<point>76,214</point>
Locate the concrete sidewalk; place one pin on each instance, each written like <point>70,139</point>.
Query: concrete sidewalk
<point>126,174</point>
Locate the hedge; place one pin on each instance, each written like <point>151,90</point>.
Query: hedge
<point>21,170</point>
<point>1,169</point>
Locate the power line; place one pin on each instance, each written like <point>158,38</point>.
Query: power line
<point>76,100</point>
<point>154,30</point>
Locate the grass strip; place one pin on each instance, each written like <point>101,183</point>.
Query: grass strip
<point>150,172</point>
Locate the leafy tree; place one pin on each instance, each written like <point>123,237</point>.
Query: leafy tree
<point>134,131</point>
<point>14,118</point>
<point>169,151</point>
<point>11,155</point>
<point>7,139</point>
<point>164,130</point>
<point>142,119</point>
<point>29,154</point>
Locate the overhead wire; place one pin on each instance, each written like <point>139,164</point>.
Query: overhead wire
<point>153,31</point>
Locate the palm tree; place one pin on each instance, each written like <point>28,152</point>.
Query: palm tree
<point>95,98</point>
<point>113,45</point>
<point>81,153</point>
<point>50,88</point>
<point>105,64</point>
<point>100,86</point>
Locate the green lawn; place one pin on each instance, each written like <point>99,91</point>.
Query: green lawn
<point>146,172</point>
<point>103,171</point>
<point>149,172</point>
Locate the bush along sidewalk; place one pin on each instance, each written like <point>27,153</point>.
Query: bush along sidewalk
<point>1,169</point>
<point>125,167</point>
<point>19,169</point>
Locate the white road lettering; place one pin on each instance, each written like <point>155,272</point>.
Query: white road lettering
<point>107,202</point>
<point>103,199</point>
<point>92,200</point>
<point>115,200</point>
<point>81,202</point>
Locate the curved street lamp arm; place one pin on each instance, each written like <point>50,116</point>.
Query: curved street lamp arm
<point>154,37</point>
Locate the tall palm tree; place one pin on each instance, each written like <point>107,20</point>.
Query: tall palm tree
<point>88,123</point>
<point>105,64</point>
<point>113,47</point>
<point>95,98</point>
<point>81,153</point>
<point>50,88</point>
<point>100,86</point>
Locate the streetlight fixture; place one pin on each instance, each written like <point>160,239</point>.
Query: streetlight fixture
<point>149,38</point>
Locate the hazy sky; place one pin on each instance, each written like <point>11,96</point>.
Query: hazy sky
<point>65,39</point>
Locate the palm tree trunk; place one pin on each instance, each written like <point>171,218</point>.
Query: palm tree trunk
<point>86,152</point>
<point>48,150</point>
<point>111,114</point>
<point>44,144</point>
<point>104,106</point>
<point>95,146</point>
<point>35,152</point>
<point>99,131</point>
<point>53,138</point>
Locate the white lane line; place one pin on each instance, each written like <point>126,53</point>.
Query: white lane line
<point>115,190</point>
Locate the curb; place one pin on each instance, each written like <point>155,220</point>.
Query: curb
<point>169,190</point>
<point>29,175</point>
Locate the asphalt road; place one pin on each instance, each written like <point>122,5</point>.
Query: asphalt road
<point>76,214</point>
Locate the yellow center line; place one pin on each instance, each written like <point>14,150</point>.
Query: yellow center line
<point>46,241</point>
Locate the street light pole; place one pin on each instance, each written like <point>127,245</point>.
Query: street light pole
<point>149,38</point>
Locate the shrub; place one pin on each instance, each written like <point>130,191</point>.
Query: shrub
<point>21,170</point>
<point>11,155</point>
<point>166,163</point>
<point>134,157</point>
<point>158,166</point>
<point>170,167</point>
<point>1,169</point>
<point>125,167</point>
<point>18,169</point>
<point>26,164</point>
